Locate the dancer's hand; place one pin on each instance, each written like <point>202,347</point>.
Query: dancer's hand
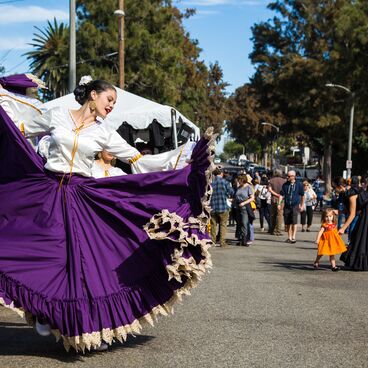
<point>341,231</point>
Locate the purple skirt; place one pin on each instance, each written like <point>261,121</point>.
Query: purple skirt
<point>97,258</point>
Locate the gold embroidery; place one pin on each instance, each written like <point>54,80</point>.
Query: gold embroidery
<point>180,267</point>
<point>135,158</point>
<point>21,128</point>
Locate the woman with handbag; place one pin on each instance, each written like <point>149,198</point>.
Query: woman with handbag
<point>244,197</point>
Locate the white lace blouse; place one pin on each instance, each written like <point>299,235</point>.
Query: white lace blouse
<point>73,150</point>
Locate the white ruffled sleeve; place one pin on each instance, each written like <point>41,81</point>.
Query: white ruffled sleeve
<point>171,160</point>
<point>121,149</point>
<point>39,124</point>
<point>20,109</point>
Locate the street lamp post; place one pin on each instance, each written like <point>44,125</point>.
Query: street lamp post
<point>72,47</point>
<point>351,124</point>
<point>121,14</point>
<point>277,130</point>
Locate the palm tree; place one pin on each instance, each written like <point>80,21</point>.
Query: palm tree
<point>49,59</point>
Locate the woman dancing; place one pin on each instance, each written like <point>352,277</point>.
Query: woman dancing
<point>94,258</point>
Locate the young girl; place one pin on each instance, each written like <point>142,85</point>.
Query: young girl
<point>328,239</point>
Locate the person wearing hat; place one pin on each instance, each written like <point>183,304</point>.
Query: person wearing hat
<point>18,99</point>
<point>292,194</point>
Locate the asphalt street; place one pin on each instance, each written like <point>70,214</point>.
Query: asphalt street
<point>262,306</point>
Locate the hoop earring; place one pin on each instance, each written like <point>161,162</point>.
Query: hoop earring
<point>92,106</point>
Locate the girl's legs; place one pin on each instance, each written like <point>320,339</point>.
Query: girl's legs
<point>316,262</point>
<point>333,264</point>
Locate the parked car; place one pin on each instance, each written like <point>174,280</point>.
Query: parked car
<point>250,166</point>
<point>260,169</point>
<point>233,162</point>
<point>217,160</point>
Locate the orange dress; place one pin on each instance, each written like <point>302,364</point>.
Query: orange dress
<point>330,242</point>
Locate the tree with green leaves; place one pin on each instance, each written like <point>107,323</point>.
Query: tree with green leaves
<point>214,110</point>
<point>49,58</point>
<point>296,53</point>
<point>232,149</point>
<point>246,115</point>
<point>162,62</point>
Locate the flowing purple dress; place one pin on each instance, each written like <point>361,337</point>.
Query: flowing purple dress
<point>98,257</point>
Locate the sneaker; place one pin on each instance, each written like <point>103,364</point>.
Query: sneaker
<point>262,229</point>
<point>43,329</point>
<point>308,230</point>
<point>248,243</point>
<point>102,347</point>
<point>303,230</point>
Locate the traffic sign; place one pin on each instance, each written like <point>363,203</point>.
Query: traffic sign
<point>349,164</point>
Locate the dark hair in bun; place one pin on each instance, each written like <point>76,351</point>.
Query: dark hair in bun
<point>82,92</point>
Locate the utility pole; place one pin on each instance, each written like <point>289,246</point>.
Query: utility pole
<point>121,14</point>
<point>72,47</point>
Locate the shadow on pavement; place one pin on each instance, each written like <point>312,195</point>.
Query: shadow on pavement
<point>296,266</point>
<point>19,339</point>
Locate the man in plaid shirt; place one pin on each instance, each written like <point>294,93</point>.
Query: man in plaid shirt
<point>221,191</point>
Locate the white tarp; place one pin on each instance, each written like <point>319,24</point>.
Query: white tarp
<point>137,111</point>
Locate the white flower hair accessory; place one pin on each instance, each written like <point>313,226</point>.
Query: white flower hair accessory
<point>85,80</point>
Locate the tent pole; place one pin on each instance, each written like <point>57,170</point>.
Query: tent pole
<point>174,132</point>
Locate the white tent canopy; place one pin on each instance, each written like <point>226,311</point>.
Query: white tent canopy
<point>137,111</point>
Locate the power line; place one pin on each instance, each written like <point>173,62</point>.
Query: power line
<point>14,67</point>
<point>85,61</point>
<point>9,1</point>
<point>6,53</point>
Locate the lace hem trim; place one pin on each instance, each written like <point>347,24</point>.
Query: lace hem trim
<point>180,267</point>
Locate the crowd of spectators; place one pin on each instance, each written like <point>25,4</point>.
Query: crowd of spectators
<point>284,204</point>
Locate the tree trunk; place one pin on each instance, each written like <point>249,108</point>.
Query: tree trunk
<point>327,161</point>
<point>264,158</point>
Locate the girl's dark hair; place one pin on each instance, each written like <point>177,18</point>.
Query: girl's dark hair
<point>82,93</point>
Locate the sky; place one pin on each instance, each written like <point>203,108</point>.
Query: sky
<point>222,28</point>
